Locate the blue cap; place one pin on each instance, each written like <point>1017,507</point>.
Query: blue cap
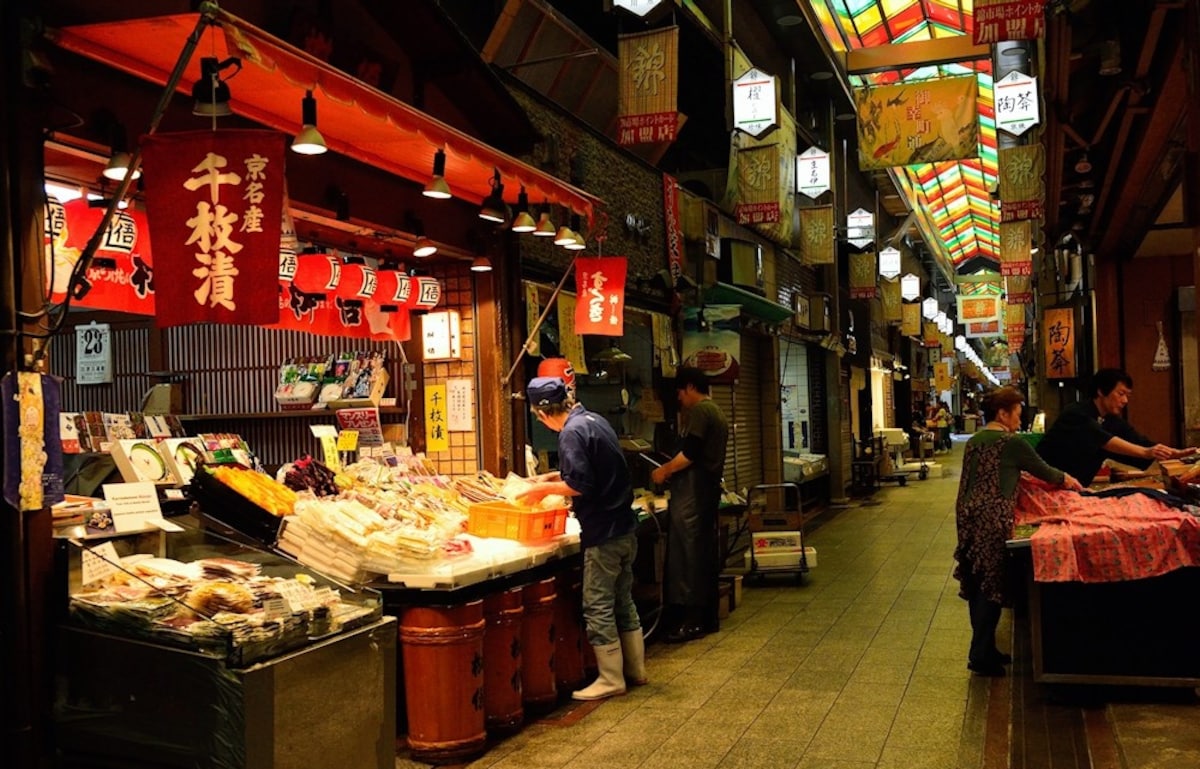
<point>546,390</point>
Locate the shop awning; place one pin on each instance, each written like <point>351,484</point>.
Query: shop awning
<point>356,120</point>
<point>752,304</point>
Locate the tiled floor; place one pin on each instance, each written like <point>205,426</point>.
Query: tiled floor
<point>861,667</point>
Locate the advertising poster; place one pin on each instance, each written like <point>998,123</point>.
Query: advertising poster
<point>715,345</point>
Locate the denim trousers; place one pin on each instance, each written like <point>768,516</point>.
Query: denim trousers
<point>608,607</point>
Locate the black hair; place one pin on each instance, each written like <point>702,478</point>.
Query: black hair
<point>688,375</point>
<point>1106,380</point>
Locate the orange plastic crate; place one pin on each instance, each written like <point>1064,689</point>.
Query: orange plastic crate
<point>510,521</point>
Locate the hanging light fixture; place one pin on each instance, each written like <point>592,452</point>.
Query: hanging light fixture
<point>612,354</point>
<point>437,187</point>
<point>309,141</point>
<point>422,246</point>
<point>210,92</point>
<point>523,222</point>
<point>118,164</point>
<point>564,236</point>
<point>545,228</point>
<point>579,242</point>
<point>481,264</point>
<point>1083,165</point>
<point>494,208</point>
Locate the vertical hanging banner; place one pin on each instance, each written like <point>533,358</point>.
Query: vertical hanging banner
<point>1021,191</point>
<point>646,92</point>
<point>817,235</point>
<point>437,419</point>
<point>889,295</point>
<point>121,274</point>
<point>941,376</point>
<point>757,185</point>
<point>921,122</point>
<point>910,319</point>
<point>600,295</point>
<point>1014,320</point>
<point>889,263</point>
<point>1058,340</point>
<point>673,226</point>
<point>863,276</point>
<point>910,287</point>
<point>999,20</point>
<point>214,200</point>
<point>932,334</point>
<point>1016,257</point>
<point>570,343</point>
<point>1018,289</point>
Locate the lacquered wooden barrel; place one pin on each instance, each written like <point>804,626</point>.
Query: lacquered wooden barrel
<point>443,680</point>
<point>568,621</point>
<point>538,642</point>
<point>504,613</point>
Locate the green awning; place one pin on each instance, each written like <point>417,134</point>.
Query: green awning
<point>752,304</point>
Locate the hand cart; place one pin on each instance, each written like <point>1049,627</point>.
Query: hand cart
<point>924,450</point>
<point>776,537</point>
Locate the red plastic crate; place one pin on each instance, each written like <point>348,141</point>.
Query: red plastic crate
<point>511,521</point>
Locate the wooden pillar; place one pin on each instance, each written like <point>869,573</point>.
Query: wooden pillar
<point>1191,173</point>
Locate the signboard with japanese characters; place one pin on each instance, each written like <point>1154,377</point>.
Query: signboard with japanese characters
<point>889,300</point>
<point>673,225</point>
<point>1018,289</point>
<point>441,335</point>
<point>910,287</point>
<point>437,425</point>
<point>999,20</point>
<point>1015,254</point>
<point>863,276</point>
<point>214,200</point>
<point>818,243</point>
<point>646,90</point>
<point>920,122</point>
<point>889,262</point>
<point>93,354</point>
<point>600,295</point>
<point>982,329</point>
<point>976,309</point>
<point>1016,103</point>
<point>1058,340</point>
<point>755,108</point>
<point>120,276</point>
<point>460,405</point>
<point>860,228</point>
<point>910,320</point>
<point>637,7</point>
<point>812,172</point>
<point>1021,190</point>
<point>757,185</point>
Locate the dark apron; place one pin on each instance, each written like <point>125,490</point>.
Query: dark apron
<point>692,548</point>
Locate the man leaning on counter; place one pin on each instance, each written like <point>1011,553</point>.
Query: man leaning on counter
<point>1088,432</point>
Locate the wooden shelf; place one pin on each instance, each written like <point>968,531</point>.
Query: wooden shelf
<point>292,414</point>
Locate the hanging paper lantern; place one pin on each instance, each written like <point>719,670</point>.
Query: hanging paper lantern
<point>358,282</point>
<point>393,288</point>
<point>427,292</point>
<point>317,273</point>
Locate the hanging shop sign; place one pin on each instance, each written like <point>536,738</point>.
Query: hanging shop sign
<point>889,297</point>
<point>755,109</point>
<point>600,295</point>
<point>570,343</point>
<point>976,309</point>
<point>441,335</point>
<point>999,20</point>
<point>437,427</point>
<point>637,7</point>
<point>929,308</point>
<point>673,225</point>
<point>862,276</point>
<point>757,185</point>
<point>889,262</point>
<point>1015,254</point>
<point>1058,340</point>
<point>802,310</point>
<point>712,340</point>
<point>931,335</point>
<point>93,354</point>
<point>1014,320</point>
<point>1021,191</point>
<point>1016,103</point>
<point>120,276</point>
<point>921,122</point>
<point>818,243</point>
<point>910,287</point>
<point>910,320</point>
<point>982,329</point>
<point>1018,289</point>
<point>214,200</point>
<point>646,91</point>
<point>426,293</point>
<point>860,228</point>
<point>812,172</point>
<point>941,376</point>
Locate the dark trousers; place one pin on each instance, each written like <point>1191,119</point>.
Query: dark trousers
<point>985,616</point>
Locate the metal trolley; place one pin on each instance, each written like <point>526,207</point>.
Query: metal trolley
<point>776,537</point>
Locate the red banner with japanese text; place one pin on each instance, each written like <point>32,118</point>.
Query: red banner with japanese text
<point>647,112</point>
<point>120,276</point>
<point>673,224</point>
<point>997,20</point>
<point>600,295</point>
<point>214,200</point>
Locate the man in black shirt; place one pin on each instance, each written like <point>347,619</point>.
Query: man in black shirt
<point>1088,432</point>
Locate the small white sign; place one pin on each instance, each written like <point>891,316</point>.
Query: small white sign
<point>889,262</point>
<point>276,608</point>
<point>860,228</point>
<point>296,595</point>
<point>460,406</point>
<point>638,7</point>
<point>754,104</point>
<point>1016,103</point>
<point>441,335</point>
<point>929,308</point>
<point>99,563</point>
<point>910,287</point>
<point>812,172</point>
<point>93,354</point>
<point>133,506</point>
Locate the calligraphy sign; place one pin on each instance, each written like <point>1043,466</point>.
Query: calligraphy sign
<point>214,200</point>
<point>998,20</point>
<point>121,274</point>
<point>862,276</point>
<point>889,295</point>
<point>920,122</point>
<point>1015,255</point>
<point>910,321</point>
<point>673,225</point>
<point>1021,190</point>
<point>976,309</point>
<point>1058,340</point>
<point>812,172</point>
<point>755,110</point>
<point>1016,103</point>
<point>437,419</point>
<point>646,93</point>
<point>600,295</point>
<point>1018,289</point>
<point>817,235</point>
<point>757,185</point>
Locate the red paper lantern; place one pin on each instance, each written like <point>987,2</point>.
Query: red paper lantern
<point>358,282</point>
<point>393,288</point>
<point>427,293</point>
<point>317,273</point>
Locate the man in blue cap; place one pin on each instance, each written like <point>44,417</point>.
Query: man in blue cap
<point>592,471</point>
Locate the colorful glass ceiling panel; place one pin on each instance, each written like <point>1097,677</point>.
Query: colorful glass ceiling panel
<point>956,213</point>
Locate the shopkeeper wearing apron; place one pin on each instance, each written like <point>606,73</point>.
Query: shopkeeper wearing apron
<point>694,474</point>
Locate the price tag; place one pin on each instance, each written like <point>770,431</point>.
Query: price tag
<point>133,506</point>
<point>296,595</point>
<point>321,597</point>
<point>100,563</point>
<point>276,608</point>
<point>347,440</point>
<point>330,452</point>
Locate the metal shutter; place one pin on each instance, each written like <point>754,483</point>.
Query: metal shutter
<point>742,404</point>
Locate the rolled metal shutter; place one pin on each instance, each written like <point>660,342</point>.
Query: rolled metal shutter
<point>742,404</point>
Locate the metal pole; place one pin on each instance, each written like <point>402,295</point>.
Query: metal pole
<point>537,326</point>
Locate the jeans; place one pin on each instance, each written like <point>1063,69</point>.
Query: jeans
<point>985,616</point>
<point>608,607</point>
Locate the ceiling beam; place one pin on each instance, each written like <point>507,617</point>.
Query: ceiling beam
<point>919,53</point>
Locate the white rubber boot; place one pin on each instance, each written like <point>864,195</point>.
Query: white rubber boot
<point>633,650</point>
<point>611,681</point>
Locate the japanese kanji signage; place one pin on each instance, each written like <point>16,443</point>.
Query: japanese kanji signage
<point>1014,320</point>
<point>889,297</point>
<point>441,335</point>
<point>121,274</point>
<point>1015,255</point>
<point>437,420</point>
<point>860,228</point>
<point>812,172</point>
<point>600,295</point>
<point>1021,190</point>
<point>93,354</point>
<point>862,276</point>
<point>757,185</point>
<point>889,262</point>
<point>637,7</point>
<point>919,122</point>
<point>460,406</point>
<point>987,328</point>
<point>997,20</point>
<point>976,309</point>
<point>214,200</point>
<point>910,287</point>
<point>1018,289</point>
<point>673,226</point>
<point>817,240</point>
<point>910,321</point>
<point>1058,340</point>
<point>1016,103</point>
<point>755,110</point>
<point>646,96</point>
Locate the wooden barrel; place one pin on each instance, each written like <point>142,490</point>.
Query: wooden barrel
<point>538,640</point>
<point>568,621</point>
<point>504,613</point>
<point>443,680</point>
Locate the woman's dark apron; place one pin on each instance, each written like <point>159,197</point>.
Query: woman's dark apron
<point>692,549</point>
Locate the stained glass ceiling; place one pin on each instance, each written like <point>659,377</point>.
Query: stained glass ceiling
<point>956,214</point>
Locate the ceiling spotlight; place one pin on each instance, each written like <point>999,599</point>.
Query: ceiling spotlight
<point>790,20</point>
<point>423,247</point>
<point>523,222</point>
<point>481,264</point>
<point>210,92</point>
<point>118,166</point>
<point>494,209</point>
<point>564,236</point>
<point>578,242</point>
<point>545,228</point>
<point>1083,165</point>
<point>309,141</point>
<point>437,187</point>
